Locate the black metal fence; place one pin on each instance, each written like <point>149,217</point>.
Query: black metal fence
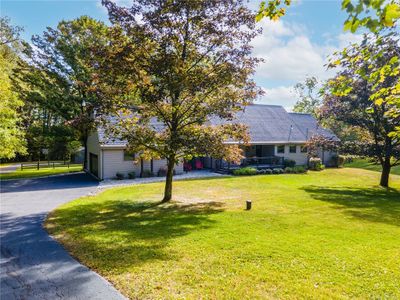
<point>46,164</point>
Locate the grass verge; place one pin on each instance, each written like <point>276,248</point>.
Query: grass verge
<point>367,165</point>
<point>30,173</point>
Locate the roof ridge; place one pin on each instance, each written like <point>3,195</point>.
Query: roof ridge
<point>262,104</point>
<point>299,113</point>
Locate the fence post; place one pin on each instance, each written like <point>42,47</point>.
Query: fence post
<point>22,166</point>
<point>38,164</point>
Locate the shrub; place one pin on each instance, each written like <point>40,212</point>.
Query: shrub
<point>315,164</point>
<point>348,158</point>
<point>260,172</point>
<point>245,171</point>
<point>300,169</point>
<point>289,163</point>
<point>288,170</point>
<point>146,174</point>
<point>162,172</point>
<point>119,176</point>
<point>132,175</point>
<point>268,171</point>
<point>337,160</point>
<point>277,171</point>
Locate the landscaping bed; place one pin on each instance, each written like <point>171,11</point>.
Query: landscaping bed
<point>329,234</point>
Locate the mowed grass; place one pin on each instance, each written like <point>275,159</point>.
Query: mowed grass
<point>30,173</point>
<point>332,234</point>
<point>367,165</point>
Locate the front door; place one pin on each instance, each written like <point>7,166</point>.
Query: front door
<point>94,164</point>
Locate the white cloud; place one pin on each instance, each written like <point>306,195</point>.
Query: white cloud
<point>281,95</point>
<point>288,52</point>
<point>290,55</point>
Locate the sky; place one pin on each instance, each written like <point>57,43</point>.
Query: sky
<point>295,47</point>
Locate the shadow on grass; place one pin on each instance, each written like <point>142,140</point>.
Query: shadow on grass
<point>372,204</point>
<point>122,234</point>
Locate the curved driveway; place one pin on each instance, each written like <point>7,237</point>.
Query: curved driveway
<point>32,264</point>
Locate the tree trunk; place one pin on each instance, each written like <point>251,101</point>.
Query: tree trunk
<point>168,179</point>
<point>385,173</point>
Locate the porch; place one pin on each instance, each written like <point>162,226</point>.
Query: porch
<point>260,163</point>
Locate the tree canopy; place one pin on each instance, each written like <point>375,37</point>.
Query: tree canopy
<point>12,138</point>
<point>308,94</point>
<point>362,93</point>
<point>60,78</point>
<point>182,64</point>
<point>374,15</point>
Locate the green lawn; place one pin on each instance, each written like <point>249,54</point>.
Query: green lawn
<point>332,234</point>
<point>29,173</point>
<point>367,165</point>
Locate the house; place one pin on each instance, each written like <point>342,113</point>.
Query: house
<point>275,135</point>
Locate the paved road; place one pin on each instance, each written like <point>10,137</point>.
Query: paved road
<point>33,265</point>
<point>10,168</point>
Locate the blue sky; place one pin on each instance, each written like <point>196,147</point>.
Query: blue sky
<point>293,48</point>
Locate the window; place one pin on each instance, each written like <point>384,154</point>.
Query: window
<point>303,149</point>
<point>292,149</point>
<point>281,149</point>
<point>129,155</point>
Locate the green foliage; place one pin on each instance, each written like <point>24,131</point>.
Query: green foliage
<point>268,171</point>
<point>277,171</point>
<point>131,175</point>
<point>338,160</point>
<point>288,170</point>
<point>245,171</point>
<point>119,176</point>
<point>12,139</point>
<point>180,65</point>
<point>315,164</point>
<point>205,246</point>
<point>365,94</point>
<point>309,101</point>
<point>59,82</point>
<point>274,9</point>
<point>146,174</point>
<point>289,163</point>
<point>374,15</point>
<point>296,170</point>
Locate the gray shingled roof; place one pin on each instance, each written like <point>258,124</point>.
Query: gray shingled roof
<point>266,123</point>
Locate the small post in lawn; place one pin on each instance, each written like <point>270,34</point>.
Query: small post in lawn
<point>22,166</point>
<point>38,164</point>
<point>248,204</point>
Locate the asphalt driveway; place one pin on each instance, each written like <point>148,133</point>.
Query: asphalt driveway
<point>32,264</point>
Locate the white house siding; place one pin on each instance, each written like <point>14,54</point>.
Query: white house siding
<point>93,146</point>
<point>299,157</point>
<point>113,160</point>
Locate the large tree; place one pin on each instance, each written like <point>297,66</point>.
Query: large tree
<point>309,100</point>
<point>60,76</point>
<point>12,139</point>
<point>362,94</point>
<point>196,67</point>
